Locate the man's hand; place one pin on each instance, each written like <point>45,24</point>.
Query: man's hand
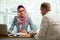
<point>33,34</point>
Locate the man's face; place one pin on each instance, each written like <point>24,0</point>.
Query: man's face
<point>21,12</point>
<point>43,11</point>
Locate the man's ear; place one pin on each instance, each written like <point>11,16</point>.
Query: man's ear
<point>44,10</point>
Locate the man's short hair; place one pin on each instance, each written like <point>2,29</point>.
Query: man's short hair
<point>46,5</point>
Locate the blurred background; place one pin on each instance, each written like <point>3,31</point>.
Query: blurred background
<point>8,9</point>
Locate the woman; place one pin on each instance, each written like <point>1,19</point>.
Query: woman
<point>21,21</point>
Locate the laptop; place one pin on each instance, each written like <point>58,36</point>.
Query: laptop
<point>3,30</point>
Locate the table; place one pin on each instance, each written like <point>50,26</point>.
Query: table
<point>16,38</point>
<point>25,37</point>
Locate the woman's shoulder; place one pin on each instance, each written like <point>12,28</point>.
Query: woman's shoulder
<point>29,18</point>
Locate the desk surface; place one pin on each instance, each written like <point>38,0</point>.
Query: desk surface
<point>24,36</point>
<point>17,39</point>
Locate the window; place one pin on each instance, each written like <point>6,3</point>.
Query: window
<point>8,9</point>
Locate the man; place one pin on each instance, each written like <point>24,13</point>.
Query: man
<point>50,26</point>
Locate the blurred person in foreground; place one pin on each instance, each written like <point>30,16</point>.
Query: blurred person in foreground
<point>50,26</point>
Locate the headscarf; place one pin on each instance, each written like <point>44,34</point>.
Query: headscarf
<point>22,20</point>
